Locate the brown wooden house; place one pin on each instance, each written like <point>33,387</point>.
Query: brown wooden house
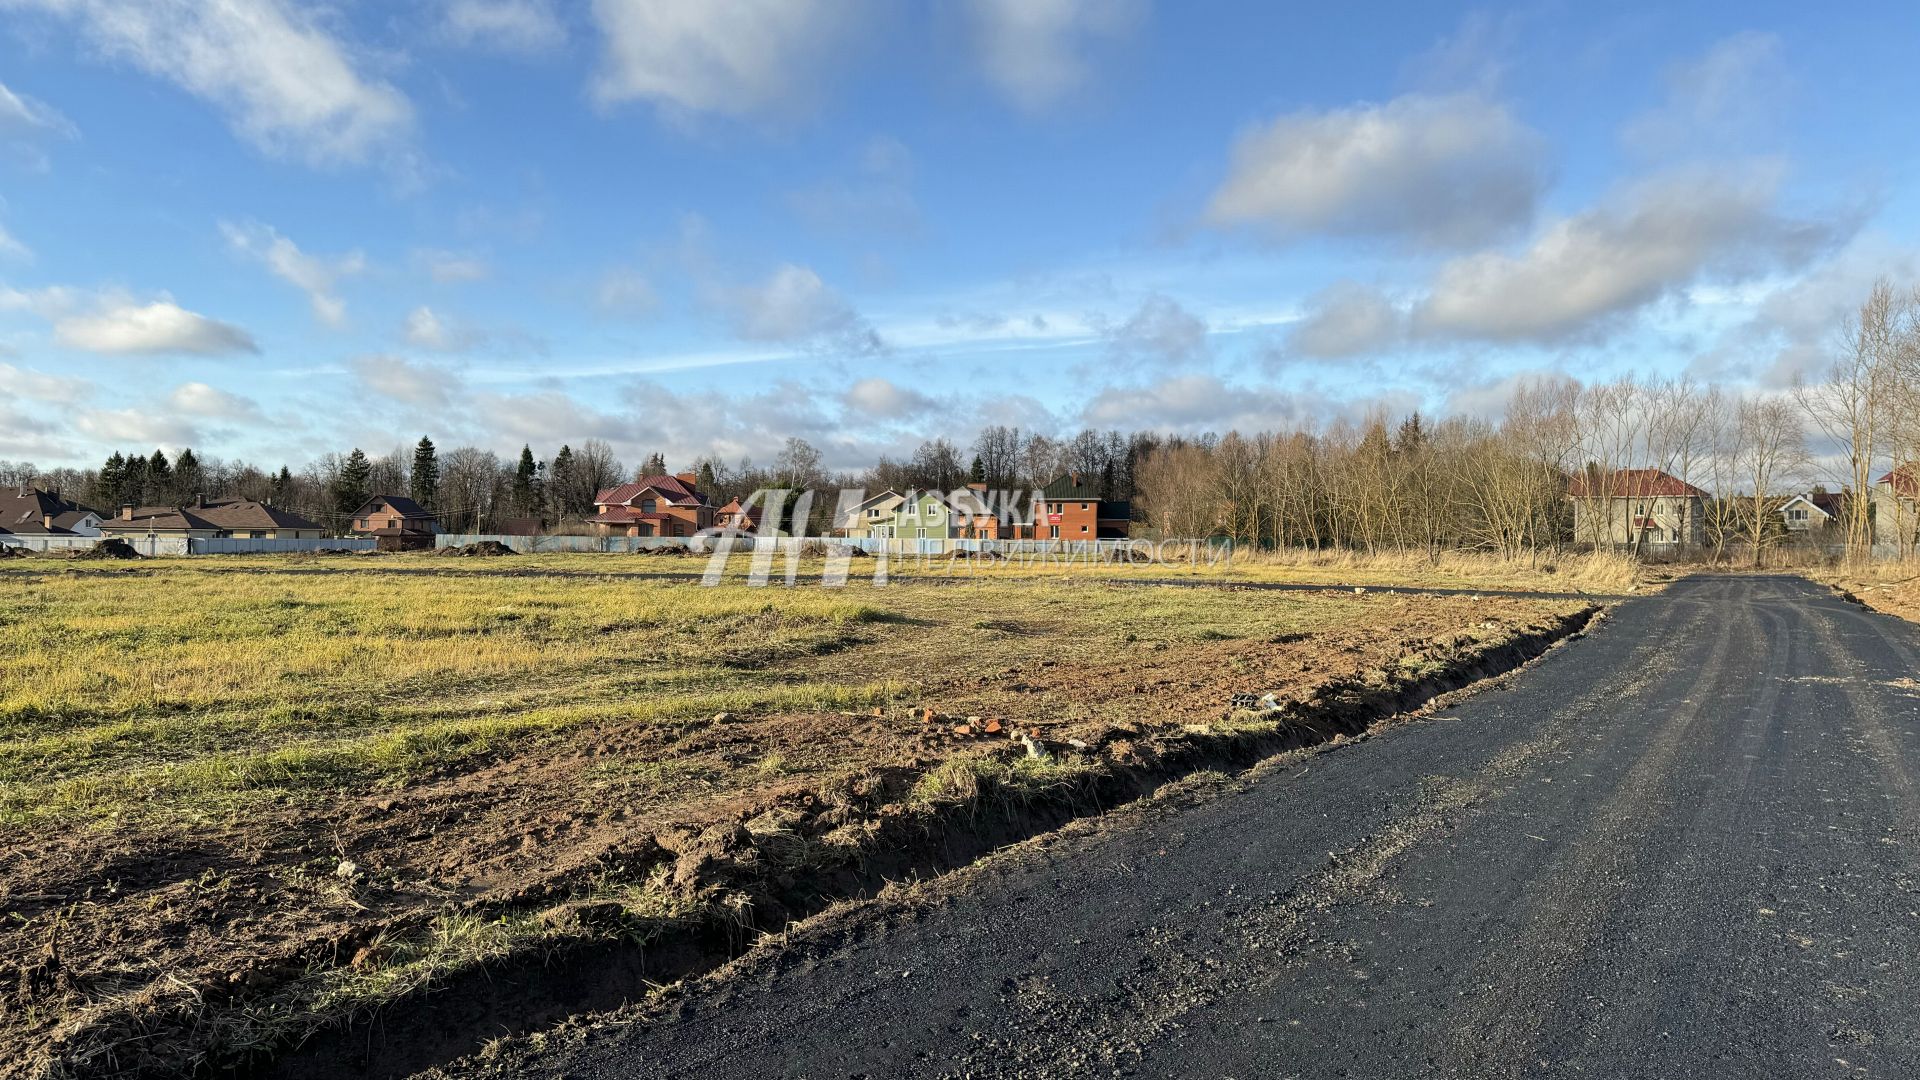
<point>396,523</point>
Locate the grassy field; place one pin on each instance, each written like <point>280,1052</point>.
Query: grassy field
<point>305,787</point>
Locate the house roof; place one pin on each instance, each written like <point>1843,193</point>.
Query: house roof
<point>25,510</point>
<point>675,490</point>
<point>1632,484</point>
<point>1830,503</point>
<point>732,509</point>
<point>1071,487</point>
<point>1905,481</point>
<point>400,504</point>
<point>1810,503</point>
<point>217,515</point>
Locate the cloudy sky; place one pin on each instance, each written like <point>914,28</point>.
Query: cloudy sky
<point>277,228</point>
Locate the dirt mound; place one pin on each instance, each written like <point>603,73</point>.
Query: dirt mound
<point>484,548</point>
<point>110,548</point>
<point>8,551</point>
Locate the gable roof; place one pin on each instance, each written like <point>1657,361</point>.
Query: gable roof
<point>24,511</point>
<point>1904,480</point>
<point>1070,487</point>
<point>676,491</point>
<point>217,515</point>
<point>401,505</point>
<point>732,509</point>
<point>1632,484</point>
<point>1810,503</point>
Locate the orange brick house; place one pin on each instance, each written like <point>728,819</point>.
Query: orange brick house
<point>734,516</point>
<point>1067,509</point>
<point>653,506</point>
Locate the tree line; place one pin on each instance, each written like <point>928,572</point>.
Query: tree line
<point>1377,483</point>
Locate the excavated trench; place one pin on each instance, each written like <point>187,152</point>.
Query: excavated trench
<point>606,970</point>
<point>605,957</point>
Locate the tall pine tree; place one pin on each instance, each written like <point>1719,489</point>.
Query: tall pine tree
<point>108,485</point>
<point>526,484</point>
<point>159,486</point>
<point>189,480</point>
<point>978,473</point>
<point>424,484</point>
<point>350,489</point>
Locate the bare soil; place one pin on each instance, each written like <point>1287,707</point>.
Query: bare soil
<point>127,952</point>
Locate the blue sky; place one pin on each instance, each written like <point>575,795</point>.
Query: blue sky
<point>273,229</point>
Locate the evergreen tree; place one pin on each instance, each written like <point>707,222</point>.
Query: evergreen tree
<point>560,482</point>
<point>978,473</point>
<point>189,479</point>
<point>159,486</point>
<point>526,481</point>
<point>655,466</point>
<point>282,485</point>
<point>133,482</point>
<point>351,488</point>
<point>1109,490</point>
<point>425,483</point>
<point>108,485</point>
<point>707,482</point>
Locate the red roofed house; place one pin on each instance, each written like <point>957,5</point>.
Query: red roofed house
<point>652,506</point>
<point>733,516</point>
<point>1896,507</point>
<point>1637,507</point>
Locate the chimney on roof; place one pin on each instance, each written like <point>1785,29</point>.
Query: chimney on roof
<point>687,478</point>
<point>199,500</point>
<point>46,521</point>
<point>979,485</point>
<point>126,511</point>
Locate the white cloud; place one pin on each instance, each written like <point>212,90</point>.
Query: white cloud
<point>138,428</point>
<point>160,327</point>
<point>1194,404</point>
<point>451,267</point>
<point>625,292</point>
<point>285,84</point>
<point>18,382</point>
<point>1347,319</point>
<point>426,330</point>
<point>1034,51</point>
<point>313,275</point>
<point>22,115</point>
<point>886,399</point>
<point>1158,331</point>
<point>794,306</point>
<point>736,59</point>
<point>1645,243</point>
<point>524,27</point>
<point>1451,170</point>
<point>1715,100</point>
<point>200,399</point>
<point>407,382</point>
<point>11,248</point>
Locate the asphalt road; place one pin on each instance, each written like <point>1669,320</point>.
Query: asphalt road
<point>1684,846</point>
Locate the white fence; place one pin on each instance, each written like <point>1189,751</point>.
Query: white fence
<point>527,545</point>
<point>237,546</point>
<point>158,545</point>
<point>181,545</point>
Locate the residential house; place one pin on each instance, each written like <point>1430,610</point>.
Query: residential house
<point>396,523</point>
<point>243,519</point>
<point>927,517</point>
<point>1069,509</point>
<point>1802,513</point>
<point>975,516</point>
<point>873,516</point>
<point>1895,508</point>
<point>653,506</point>
<point>737,518</point>
<point>29,511</point>
<point>1644,507</point>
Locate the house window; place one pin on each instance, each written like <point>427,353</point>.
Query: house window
<point>1083,528</point>
<point>647,505</point>
<point>1083,506</point>
<point>1053,532</point>
<point>921,533</point>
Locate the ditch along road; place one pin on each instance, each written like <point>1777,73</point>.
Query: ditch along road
<point>1683,846</point>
